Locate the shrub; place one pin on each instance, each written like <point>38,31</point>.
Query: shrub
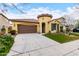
<point>2,49</point>
<point>6,43</point>
<point>13,32</point>
<point>6,39</point>
<point>3,29</point>
<point>49,31</point>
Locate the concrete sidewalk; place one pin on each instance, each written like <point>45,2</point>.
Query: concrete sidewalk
<point>38,45</point>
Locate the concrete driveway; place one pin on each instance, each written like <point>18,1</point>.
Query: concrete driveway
<point>38,45</point>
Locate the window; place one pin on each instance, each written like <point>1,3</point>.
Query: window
<point>53,27</point>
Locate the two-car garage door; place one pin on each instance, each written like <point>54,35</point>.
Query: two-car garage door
<point>27,28</point>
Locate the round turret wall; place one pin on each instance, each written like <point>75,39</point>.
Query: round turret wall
<point>44,22</point>
<point>44,17</point>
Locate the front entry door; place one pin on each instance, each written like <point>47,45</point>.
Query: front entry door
<point>61,29</point>
<point>43,27</point>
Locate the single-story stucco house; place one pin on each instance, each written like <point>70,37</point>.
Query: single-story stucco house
<point>43,24</point>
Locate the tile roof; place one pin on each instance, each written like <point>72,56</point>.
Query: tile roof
<point>42,15</point>
<point>24,20</point>
<point>57,19</point>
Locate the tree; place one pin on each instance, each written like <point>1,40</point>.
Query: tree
<point>77,24</point>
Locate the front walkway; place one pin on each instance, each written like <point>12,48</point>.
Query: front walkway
<point>38,45</point>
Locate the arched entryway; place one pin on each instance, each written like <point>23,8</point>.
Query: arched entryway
<point>43,27</point>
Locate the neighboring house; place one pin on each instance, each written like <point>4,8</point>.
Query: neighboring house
<point>4,22</point>
<point>43,24</point>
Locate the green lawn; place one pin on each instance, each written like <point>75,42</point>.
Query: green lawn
<point>6,42</point>
<point>75,33</point>
<point>61,38</point>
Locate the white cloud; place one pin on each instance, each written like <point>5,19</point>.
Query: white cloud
<point>72,15</point>
<point>33,13</point>
<point>71,12</point>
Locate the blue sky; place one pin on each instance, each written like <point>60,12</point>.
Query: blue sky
<point>60,6</point>
<point>33,9</point>
<point>51,6</point>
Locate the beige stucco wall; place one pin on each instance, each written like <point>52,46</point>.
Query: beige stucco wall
<point>44,20</point>
<point>4,21</point>
<point>41,20</point>
<point>14,25</point>
<point>55,22</point>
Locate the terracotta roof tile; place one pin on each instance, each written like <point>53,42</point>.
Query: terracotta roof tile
<point>44,15</point>
<point>25,20</point>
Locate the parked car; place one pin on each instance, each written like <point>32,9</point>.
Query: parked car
<point>76,30</point>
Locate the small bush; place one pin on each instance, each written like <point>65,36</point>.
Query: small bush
<point>3,29</point>
<point>2,49</point>
<point>13,32</point>
<point>6,43</point>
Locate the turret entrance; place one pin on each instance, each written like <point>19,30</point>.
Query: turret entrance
<point>44,22</point>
